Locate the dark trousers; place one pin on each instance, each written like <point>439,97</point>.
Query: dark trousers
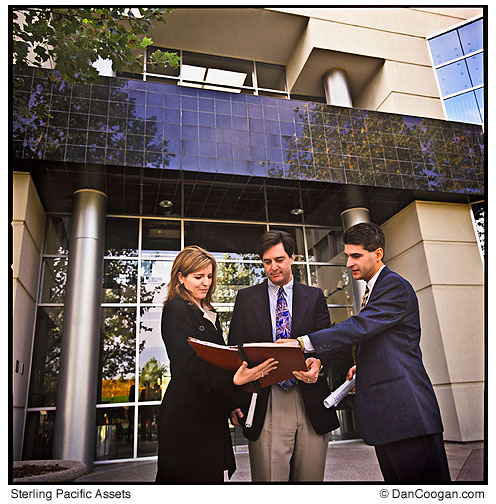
<point>420,460</point>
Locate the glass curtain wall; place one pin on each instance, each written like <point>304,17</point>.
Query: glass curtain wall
<point>134,367</point>
<point>458,58</point>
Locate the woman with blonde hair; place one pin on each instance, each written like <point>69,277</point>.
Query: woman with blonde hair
<point>193,432</point>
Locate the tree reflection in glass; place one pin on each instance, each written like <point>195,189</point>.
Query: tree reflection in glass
<point>117,355</point>
<point>120,281</point>
<point>153,360</point>
<point>333,144</point>
<point>46,357</point>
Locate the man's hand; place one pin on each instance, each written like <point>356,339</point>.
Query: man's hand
<point>351,372</point>
<point>311,375</point>
<point>236,415</point>
<point>285,340</point>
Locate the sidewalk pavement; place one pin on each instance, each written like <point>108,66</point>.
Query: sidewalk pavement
<point>347,461</point>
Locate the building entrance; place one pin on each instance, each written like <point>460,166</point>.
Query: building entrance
<point>133,371</point>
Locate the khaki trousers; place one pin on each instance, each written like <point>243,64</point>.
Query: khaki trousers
<point>288,448</point>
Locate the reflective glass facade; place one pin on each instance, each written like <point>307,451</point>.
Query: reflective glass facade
<point>458,57</point>
<point>133,364</point>
<point>136,124</point>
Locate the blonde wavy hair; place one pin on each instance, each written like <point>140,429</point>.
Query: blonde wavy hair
<point>190,260</point>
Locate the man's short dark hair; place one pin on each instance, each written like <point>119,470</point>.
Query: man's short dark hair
<point>273,237</point>
<point>366,234</point>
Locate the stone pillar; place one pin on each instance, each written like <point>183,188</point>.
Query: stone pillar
<point>28,230</point>
<point>74,437</point>
<point>337,89</point>
<point>350,217</point>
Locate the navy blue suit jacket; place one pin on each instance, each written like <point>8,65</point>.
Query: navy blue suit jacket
<point>394,397</point>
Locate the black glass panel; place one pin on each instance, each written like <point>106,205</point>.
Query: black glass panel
<point>224,241</point>
<point>121,237</point>
<point>161,238</point>
<point>114,433</point>
<point>283,203</point>
<point>46,357</point>
<point>57,235</point>
<point>297,234</point>
<point>38,435</point>
<point>218,200</point>
<point>148,431</point>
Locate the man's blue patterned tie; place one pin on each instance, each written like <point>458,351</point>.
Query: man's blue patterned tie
<point>283,329</point>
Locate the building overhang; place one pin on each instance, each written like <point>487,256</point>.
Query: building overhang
<point>359,69</point>
<point>247,33</point>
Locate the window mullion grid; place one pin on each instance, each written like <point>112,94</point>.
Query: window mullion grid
<point>33,335</point>
<point>288,96</point>
<point>145,50</point>
<point>460,58</point>
<point>458,93</point>
<point>254,77</point>
<point>137,342</point>
<point>305,245</point>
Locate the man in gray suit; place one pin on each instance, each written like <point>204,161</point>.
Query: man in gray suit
<point>395,406</point>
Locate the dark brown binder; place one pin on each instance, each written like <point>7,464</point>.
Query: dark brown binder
<point>289,355</point>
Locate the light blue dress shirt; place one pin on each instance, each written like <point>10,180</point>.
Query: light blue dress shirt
<point>288,294</point>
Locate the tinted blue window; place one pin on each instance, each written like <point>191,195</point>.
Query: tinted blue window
<point>463,108</point>
<point>206,104</point>
<point>479,95</point>
<point>208,149</point>
<point>476,69</point>
<point>208,164</point>
<point>471,37</point>
<point>454,78</point>
<point>446,47</point>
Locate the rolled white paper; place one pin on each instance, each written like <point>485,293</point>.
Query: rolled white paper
<point>337,396</point>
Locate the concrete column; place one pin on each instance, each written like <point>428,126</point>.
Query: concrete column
<point>337,89</point>
<point>350,217</point>
<point>74,437</point>
<point>28,230</point>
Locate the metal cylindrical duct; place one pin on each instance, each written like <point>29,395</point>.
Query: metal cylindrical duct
<point>337,89</point>
<point>349,218</point>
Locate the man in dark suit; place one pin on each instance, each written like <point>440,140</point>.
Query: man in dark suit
<point>288,437</point>
<point>395,406</point>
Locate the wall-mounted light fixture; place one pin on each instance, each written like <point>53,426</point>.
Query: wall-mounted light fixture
<point>166,203</point>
